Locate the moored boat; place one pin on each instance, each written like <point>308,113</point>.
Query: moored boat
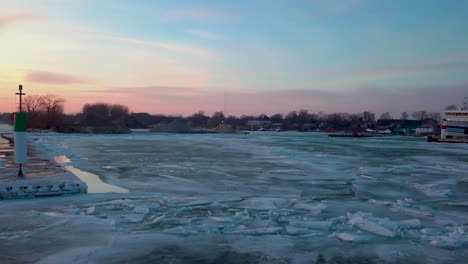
<point>454,126</point>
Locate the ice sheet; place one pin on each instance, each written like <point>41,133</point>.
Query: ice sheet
<point>263,198</point>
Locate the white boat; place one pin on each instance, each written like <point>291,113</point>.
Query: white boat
<point>455,123</point>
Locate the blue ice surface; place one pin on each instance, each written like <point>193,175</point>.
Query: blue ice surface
<point>284,195</point>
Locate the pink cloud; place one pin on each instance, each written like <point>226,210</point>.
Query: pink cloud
<point>9,19</point>
<point>52,78</point>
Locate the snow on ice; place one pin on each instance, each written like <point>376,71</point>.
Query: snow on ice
<point>263,197</point>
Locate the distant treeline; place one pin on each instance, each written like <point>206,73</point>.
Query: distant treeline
<point>47,112</point>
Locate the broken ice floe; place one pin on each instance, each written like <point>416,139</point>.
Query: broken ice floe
<point>430,190</point>
<point>313,208</point>
<point>311,224</point>
<point>381,226</point>
<point>242,230</point>
<point>349,237</point>
<point>131,218</point>
<point>454,238</point>
<point>296,231</point>
<point>263,203</point>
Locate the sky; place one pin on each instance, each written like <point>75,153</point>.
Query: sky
<point>241,57</point>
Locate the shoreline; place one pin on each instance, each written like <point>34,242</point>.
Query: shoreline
<point>43,177</point>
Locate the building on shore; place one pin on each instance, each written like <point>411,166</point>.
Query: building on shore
<point>424,131</point>
<point>398,126</point>
<point>258,124</point>
<point>408,127</point>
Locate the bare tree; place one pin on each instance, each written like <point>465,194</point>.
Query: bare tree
<point>302,117</point>
<point>276,118</point>
<point>419,115</point>
<point>216,119</point>
<point>291,118</point>
<point>356,120</point>
<point>368,118</point>
<point>33,103</point>
<point>45,111</point>
<point>385,115</point>
<point>338,120</point>
<point>97,109</point>
<point>404,115</point>
<point>53,107</point>
<point>117,111</point>
<point>33,106</point>
<point>103,114</point>
<point>198,119</point>
<point>434,116</point>
<point>451,107</point>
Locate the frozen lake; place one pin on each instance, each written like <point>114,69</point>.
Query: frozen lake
<point>257,198</point>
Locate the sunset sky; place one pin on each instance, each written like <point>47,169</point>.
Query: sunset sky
<point>244,57</point>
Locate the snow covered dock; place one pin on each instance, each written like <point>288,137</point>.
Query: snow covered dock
<point>42,176</point>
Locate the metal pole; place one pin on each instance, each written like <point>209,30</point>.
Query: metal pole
<point>20,172</point>
<point>21,97</point>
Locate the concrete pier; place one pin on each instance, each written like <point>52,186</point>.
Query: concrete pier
<point>447,140</point>
<point>43,177</point>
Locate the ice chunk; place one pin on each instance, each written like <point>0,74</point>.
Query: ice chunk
<point>141,210</point>
<point>311,224</point>
<point>195,202</point>
<point>220,219</point>
<point>387,223</point>
<point>379,202</point>
<point>381,226</point>
<point>78,255</point>
<point>313,208</point>
<point>218,205</point>
<point>410,211</point>
<point>262,203</point>
<point>375,228</point>
<point>296,231</point>
<point>258,231</point>
<point>158,219</point>
<point>351,237</point>
<point>242,215</point>
<point>430,231</point>
<point>132,218</point>
<point>448,241</point>
<point>53,214</point>
<point>181,230</point>
<point>451,240</point>
<point>463,203</point>
<point>429,191</point>
<point>411,223</point>
<point>361,222</point>
<point>91,210</point>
